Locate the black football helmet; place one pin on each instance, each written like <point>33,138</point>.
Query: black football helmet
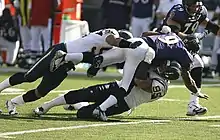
<point>192,7</point>
<point>172,71</point>
<point>125,34</point>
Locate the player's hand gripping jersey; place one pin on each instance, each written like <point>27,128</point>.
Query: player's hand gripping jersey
<point>188,23</point>
<point>169,47</point>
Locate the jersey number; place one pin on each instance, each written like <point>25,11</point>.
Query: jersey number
<point>191,27</point>
<point>156,92</point>
<point>169,39</point>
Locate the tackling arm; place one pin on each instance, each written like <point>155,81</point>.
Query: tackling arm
<point>212,27</point>
<point>118,42</point>
<point>191,85</point>
<point>188,81</point>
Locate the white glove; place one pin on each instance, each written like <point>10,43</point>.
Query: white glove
<point>201,35</point>
<point>201,95</point>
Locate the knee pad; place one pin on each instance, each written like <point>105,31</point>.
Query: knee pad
<point>196,74</point>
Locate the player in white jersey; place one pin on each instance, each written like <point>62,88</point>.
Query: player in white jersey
<point>163,51</point>
<point>83,49</point>
<point>152,88</point>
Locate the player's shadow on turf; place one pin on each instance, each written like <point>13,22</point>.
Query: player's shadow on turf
<point>165,118</point>
<point>51,117</point>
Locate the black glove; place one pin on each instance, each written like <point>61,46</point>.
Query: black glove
<point>92,71</point>
<point>191,43</point>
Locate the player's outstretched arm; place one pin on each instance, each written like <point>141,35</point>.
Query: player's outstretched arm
<point>212,27</point>
<point>191,85</point>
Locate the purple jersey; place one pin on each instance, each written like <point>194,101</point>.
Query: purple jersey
<point>169,47</point>
<point>188,23</point>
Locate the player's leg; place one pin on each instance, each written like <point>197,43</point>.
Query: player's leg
<point>35,72</point>
<point>194,108</point>
<point>35,38</point>
<point>112,56</point>
<point>214,60</point>
<point>95,93</point>
<point>45,31</point>
<point>12,52</point>
<point>62,57</point>
<point>48,83</point>
<point>136,27</point>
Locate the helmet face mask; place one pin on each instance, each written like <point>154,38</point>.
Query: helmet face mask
<point>192,7</point>
<point>171,71</point>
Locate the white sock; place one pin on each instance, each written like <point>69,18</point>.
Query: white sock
<point>55,102</point>
<point>108,103</point>
<point>194,99</point>
<point>80,105</point>
<point>18,100</point>
<point>74,57</point>
<point>4,84</point>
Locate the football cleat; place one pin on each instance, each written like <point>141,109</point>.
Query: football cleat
<point>58,60</point>
<point>194,109</point>
<point>99,114</point>
<point>92,71</point>
<point>98,61</point>
<point>40,111</point>
<point>11,108</point>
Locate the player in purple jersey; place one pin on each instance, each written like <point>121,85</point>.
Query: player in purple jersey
<point>184,20</point>
<point>137,61</point>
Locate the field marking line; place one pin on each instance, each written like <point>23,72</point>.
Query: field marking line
<point>8,134</point>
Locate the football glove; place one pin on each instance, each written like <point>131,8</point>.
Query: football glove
<point>192,43</point>
<point>201,95</point>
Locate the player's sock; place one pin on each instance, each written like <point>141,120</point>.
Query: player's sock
<point>55,102</point>
<point>5,84</point>
<point>194,99</point>
<point>18,100</point>
<point>74,57</point>
<point>196,74</point>
<point>15,79</point>
<point>88,57</point>
<point>110,101</point>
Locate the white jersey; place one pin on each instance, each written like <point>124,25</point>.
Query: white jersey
<point>94,41</point>
<point>138,96</point>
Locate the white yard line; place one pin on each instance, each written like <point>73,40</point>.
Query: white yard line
<point>13,134</point>
<point>9,134</point>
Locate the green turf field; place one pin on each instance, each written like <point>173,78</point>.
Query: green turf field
<point>160,120</point>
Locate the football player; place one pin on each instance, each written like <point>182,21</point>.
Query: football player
<point>52,75</point>
<point>184,20</point>
<point>153,87</point>
<point>164,45</point>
